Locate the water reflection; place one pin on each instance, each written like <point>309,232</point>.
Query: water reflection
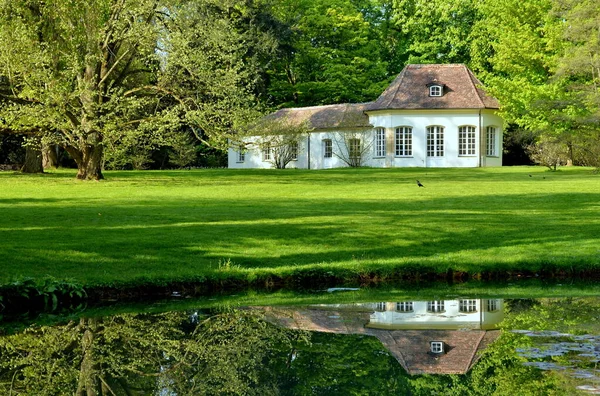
<point>425,337</point>
<point>462,346</point>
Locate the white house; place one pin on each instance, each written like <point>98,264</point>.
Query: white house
<point>429,116</point>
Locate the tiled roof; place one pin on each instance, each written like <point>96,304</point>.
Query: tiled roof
<point>411,349</point>
<point>348,115</point>
<point>461,89</point>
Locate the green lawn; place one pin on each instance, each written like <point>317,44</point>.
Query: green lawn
<point>158,226</point>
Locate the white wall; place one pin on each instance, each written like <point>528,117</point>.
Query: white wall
<point>451,315</point>
<point>418,120</point>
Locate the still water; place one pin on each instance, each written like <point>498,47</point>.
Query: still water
<point>450,346</point>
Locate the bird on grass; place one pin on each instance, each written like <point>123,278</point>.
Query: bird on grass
<point>419,184</point>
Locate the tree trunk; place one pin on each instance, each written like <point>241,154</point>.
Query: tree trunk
<point>50,156</point>
<point>89,161</point>
<point>91,166</point>
<point>87,384</point>
<point>33,160</point>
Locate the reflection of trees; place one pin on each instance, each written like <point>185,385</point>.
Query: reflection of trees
<point>231,353</point>
<point>239,353</point>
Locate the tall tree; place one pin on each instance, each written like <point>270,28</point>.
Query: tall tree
<point>93,73</point>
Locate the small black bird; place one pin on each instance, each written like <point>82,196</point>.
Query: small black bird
<point>530,176</point>
<point>419,184</point>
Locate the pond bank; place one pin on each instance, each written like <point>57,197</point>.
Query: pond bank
<point>50,294</point>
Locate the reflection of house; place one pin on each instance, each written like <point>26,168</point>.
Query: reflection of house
<point>425,337</point>
<point>429,116</point>
<point>441,314</point>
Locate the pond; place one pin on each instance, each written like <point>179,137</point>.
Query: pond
<point>334,343</point>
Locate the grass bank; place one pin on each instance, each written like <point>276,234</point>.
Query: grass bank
<point>261,226</point>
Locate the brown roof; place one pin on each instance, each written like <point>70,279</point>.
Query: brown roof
<point>348,115</point>
<point>411,348</point>
<point>462,90</point>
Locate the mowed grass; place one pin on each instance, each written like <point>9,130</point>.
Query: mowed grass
<point>161,226</point>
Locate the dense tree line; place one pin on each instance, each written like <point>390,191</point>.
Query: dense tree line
<point>164,83</point>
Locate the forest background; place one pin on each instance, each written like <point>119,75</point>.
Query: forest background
<point>139,84</point>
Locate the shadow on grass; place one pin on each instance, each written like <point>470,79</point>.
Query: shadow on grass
<point>175,239</point>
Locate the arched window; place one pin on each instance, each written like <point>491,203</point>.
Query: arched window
<point>466,140</point>
<point>435,141</point>
<point>403,141</point>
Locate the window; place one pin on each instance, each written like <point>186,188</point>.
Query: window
<point>380,142</point>
<point>403,141</point>
<point>327,148</point>
<point>490,146</point>
<point>266,153</point>
<point>467,306</point>
<point>241,156</point>
<point>354,148</point>
<point>435,141</point>
<point>435,306</point>
<point>437,347</point>
<point>380,306</point>
<point>435,90</point>
<point>406,306</point>
<point>466,140</point>
<point>492,305</point>
<point>294,151</point>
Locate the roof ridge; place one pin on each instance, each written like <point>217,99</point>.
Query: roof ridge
<point>324,106</point>
<point>472,78</point>
<point>474,357</point>
<point>399,78</point>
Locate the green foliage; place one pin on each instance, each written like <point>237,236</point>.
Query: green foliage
<point>331,54</point>
<point>334,364</point>
<point>44,293</point>
<point>437,31</point>
<point>180,352</point>
<point>96,75</point>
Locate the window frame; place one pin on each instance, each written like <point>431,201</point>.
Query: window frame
<point>381,306</point>
<point>354,148</point>
<point>380,143</point>
<point>327,148</point>
<point>492,305</point>
<point>436,90</point>
<point>294,151</point>
<point>267,153</point>
<point>436,347</point>
<point>435,141</point>
<point>467,306</point>
<point>405,306</point>
<point>436,306</point>
<point>403,141</point>
<point>490,144</point>
<point>467,139</point>
<point>241,157</point>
